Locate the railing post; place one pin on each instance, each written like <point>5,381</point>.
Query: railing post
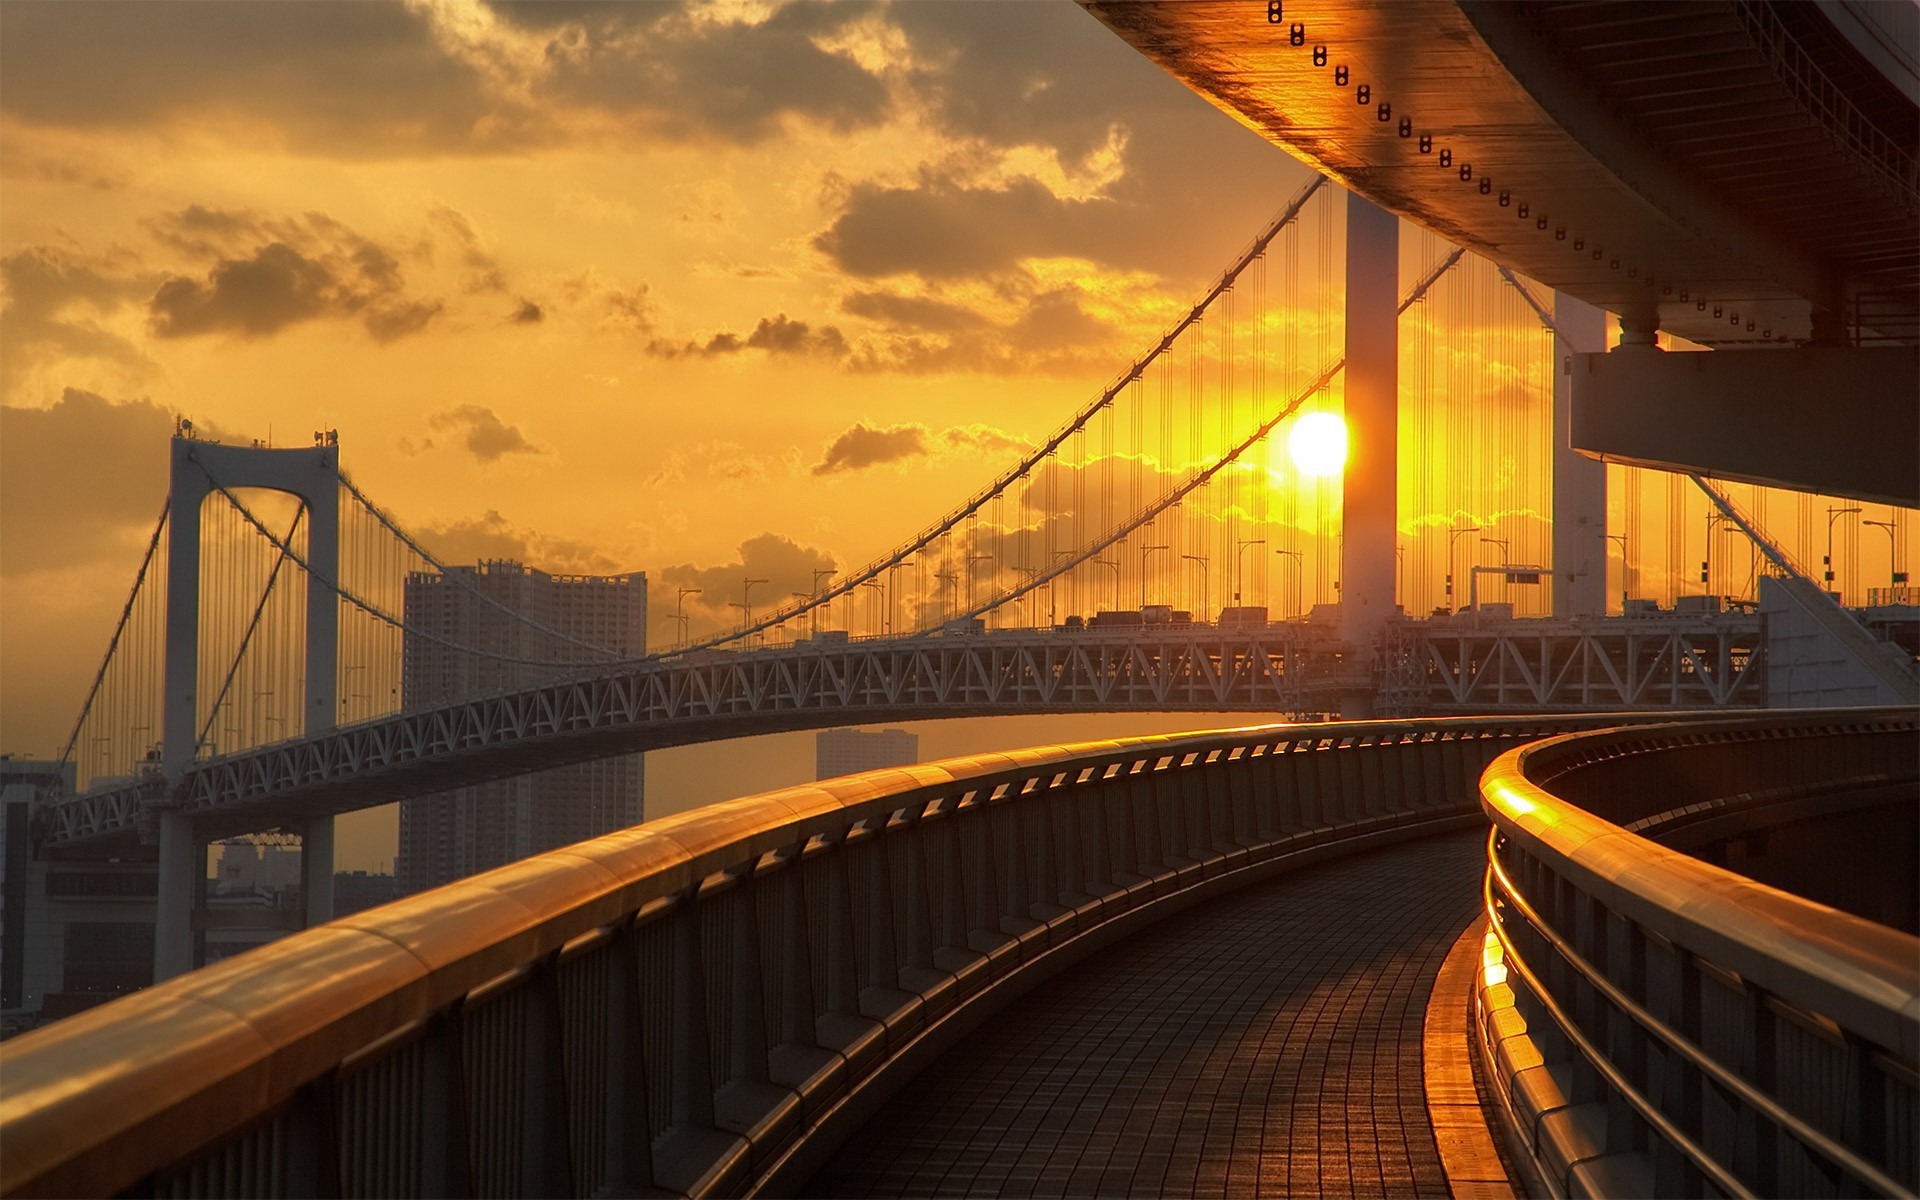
<point>629,1127</point>
<point>546,1166</point>
<point>692,1071</point>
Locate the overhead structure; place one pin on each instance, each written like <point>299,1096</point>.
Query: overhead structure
<point>1739,174</point>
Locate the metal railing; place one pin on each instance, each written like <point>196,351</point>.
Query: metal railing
<point>1657,1026</point>
<point>705,1004</point>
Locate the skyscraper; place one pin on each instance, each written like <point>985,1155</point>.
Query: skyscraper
<point>454,834</point>
<point>839,752</point>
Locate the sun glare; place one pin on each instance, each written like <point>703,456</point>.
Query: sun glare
<point>1318,444</point>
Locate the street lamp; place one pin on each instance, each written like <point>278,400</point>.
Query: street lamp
<point>1202,560</point>
<point>1893,541</point>
<point>893,588</point>
<point>1144,551</point>
<point>877,586</point>
<point>1108,562</point>
<point>1239,564</point>
<point>1622,539</point>
<point>746,605</point>
<point>972,559</point>
<point>1833,514</point>
<point>953,579</point>
<point>1502,543</point>
<point>1706,564</point>
<point>1299,569</point>
<point>819,573</point>
<point>679,610</point>
<point>1453,536</point>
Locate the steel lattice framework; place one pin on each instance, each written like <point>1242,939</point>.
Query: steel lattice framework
<point>1709,661</point>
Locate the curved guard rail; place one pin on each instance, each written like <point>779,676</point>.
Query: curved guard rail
<point>1657,1026</point>
<point>705,1004</point>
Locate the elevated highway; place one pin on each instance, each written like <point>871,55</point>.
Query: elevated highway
<point>1745,175</point>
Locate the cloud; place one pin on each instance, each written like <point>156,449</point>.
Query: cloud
<point>777,335</point>
<point>469,247</point>
<point>352,79</point>
<point>528,313</point>
<point>57,304</point>
<point>697,75</point>
<point>80,481</point>
<point>912,312</point>
<point>783,565</point>
<point>466,541</point>
<point>277,287</point>
<point>730,464</point>
<point>484,434</point>
<point>272,273</point>
<point>867,445</point>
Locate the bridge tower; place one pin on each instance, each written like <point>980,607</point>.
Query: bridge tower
<point>1370,486</point>
<point>197,469</point>
<point>1579,480</point>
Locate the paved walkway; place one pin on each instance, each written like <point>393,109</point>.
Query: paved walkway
<point>1267,1043</point>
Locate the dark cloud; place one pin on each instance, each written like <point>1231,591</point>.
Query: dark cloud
<point>277,287</point>
<point>631,309</point>
<point>55,302</point>
<point>528,313</point>
<point>983,439</point>
<point>481,431</point>
<point>466,541</point>
<point>912,312</point>
<point>785,566</point>
<point>271,273</point>
<point>80,481</point>
<point>483,269</point>
<point>353,79</point>
<point>777,334</point>
<point>697,78</point>
<point>942,230</point>
<point>393,322</point>
<point>869,445</point>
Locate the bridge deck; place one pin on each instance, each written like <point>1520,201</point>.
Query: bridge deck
<point>1268,1043</point>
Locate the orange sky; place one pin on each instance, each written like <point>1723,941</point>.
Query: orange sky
<point>595,286</point>
<point>732,288</point>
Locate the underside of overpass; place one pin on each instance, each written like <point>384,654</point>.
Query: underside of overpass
<point>1742,175</point>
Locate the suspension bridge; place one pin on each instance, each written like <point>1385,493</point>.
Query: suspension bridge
<point>1156,552</point>
<point>715,1003</point>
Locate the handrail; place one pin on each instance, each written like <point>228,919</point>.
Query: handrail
<point>1687,920</point>
<point>837,924</point>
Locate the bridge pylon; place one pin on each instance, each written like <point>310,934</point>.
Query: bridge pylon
<point>198,469</point>
<point>1370,486</point>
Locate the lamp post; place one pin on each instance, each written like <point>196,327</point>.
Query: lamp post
<point>679,610</point>
<point>813,617</point>
<point>1299,570</point>
<point>877,586</point>
<point>1202,560</point>
<point>893,589</point>
<point>1502,543</point>
<point>1033,594</point>
<point>1108,562</point>
<point>1833,514</point>
<point>1453,536</point>
<point>746,601</point>
<point>1714,520</point>
<point>1893,576</point>
<point>951,579</point>
<point>1239,563</point>
<point>1144,552</point>
<point>972,559</point>
<point>1622,539</point>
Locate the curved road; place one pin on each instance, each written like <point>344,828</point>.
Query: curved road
<point>1267,1043</point>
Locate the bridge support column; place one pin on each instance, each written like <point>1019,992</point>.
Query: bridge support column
<point>1370,488</point>
<point>316,870</point>
<point>313,476</point>
<point>178,895</point>
<point>1579,482</point>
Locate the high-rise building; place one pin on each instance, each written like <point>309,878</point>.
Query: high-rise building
<point>454,834</point>
<point>839,752</point>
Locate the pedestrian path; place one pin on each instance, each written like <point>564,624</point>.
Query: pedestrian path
<point>1265,1044</point>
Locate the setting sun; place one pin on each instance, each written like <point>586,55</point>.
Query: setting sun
<point>1318,444</point>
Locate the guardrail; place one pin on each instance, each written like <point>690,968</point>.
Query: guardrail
<point>1657,1026</point>
<point>706,1004</point>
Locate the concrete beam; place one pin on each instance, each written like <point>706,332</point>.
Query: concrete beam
<point>1839,421</point>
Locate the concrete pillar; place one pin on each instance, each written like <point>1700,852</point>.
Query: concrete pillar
<point>1371,484</point>
<point>312,475</point>
<point>1579,482</point>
